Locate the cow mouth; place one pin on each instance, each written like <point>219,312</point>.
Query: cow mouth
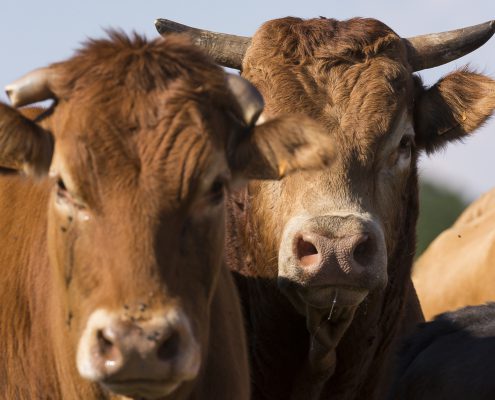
<point>329,311</point>
<point>148,389</point>
<point>326,297</point>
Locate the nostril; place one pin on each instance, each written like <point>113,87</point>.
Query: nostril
<point>363,251</point>
<point>307,253</point>
<point>105,345</point>
<point>108,351</point>
<point>170,347</point>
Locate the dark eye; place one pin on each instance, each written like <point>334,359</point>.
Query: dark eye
<point>61,186</point>
<point>62,192</point>
<point>405,146</point>
<point>215,194</point>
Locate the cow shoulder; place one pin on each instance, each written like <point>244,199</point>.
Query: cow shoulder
<point>481,208</point>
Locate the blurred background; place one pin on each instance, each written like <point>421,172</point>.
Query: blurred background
<point>36,33</point>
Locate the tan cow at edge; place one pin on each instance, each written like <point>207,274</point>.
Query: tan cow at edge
<point>323,258</point>
<point>111,275</point>
<point>458,268</point>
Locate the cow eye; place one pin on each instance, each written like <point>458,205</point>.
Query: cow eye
<point>405,146</point>
<point>216,192</point>
<point>62,192</point>
<point>61,188</point>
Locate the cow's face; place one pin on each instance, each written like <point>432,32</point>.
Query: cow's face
<point>334,230</point>
<point>136,234</point>
<point>146,138</point>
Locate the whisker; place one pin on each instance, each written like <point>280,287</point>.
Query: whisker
<point>333,305</point>
<point>328,318</point>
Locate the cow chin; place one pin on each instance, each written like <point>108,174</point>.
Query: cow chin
<point>148,390</point>
<point>328,310</point>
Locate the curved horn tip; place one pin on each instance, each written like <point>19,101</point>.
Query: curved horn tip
<point>433,50</point>
<point>164,26</point>
<point>227,50</point>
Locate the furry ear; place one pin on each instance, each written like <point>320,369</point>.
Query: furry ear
<point>454,107</point>
<point>23,144</point>
<point>281,146</point>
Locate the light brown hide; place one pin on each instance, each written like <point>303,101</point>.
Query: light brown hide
<point>458,268</point>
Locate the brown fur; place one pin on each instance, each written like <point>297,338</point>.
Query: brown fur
<point>18,143</point>
<point>136,129</point>
<point>353,78</point>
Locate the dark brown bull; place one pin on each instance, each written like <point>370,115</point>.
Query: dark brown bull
<point>111,276</point>
<point>324,257</point>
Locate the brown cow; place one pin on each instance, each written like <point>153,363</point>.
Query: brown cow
<point>111,277</point>
<point>458,268</point>
<point>324,257</point>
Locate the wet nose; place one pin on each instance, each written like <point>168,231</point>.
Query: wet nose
<point>335,257</point>
<point>160,348</point>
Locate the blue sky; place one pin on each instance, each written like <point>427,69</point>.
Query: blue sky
<point>36,33</point>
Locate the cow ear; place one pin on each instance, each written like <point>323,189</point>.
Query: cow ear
<point>454,107</point>
<point>281,146</point>
<point>24,145</point>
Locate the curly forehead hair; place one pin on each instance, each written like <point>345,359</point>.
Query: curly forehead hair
<point>139,65</point>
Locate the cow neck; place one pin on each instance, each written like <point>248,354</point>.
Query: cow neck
<point>24,291</point>
<point>267,312</point>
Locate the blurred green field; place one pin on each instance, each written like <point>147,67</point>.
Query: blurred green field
<point>439,208</point>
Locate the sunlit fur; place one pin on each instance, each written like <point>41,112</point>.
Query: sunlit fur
<point>456,270</point>
<point>140,133</point>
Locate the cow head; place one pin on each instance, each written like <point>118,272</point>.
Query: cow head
<point>139,146</point>
<point>341,234</point>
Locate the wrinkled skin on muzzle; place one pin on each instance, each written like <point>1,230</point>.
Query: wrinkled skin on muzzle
<point>327,266</point>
